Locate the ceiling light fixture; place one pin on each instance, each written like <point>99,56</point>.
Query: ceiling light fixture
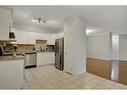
<point>90,31</point>
<point>39,20</point>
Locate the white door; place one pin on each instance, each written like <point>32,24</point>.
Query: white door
<point>68,52</point>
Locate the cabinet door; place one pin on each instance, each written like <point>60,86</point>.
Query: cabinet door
<point>68,46</point>
<point>45,58</point>
<point>11,74</point>
<point>4,24</point>
<point>40,59</point>
<point>53,57</point>
<point>49,58</point>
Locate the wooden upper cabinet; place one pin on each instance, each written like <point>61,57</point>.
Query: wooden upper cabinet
<point>5,23</point>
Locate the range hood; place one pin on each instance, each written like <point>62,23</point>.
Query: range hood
<point>41,41</point>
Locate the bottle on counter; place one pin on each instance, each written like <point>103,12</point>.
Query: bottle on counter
<point>14,52</point>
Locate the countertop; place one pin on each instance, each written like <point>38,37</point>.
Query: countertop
<point>34,52</point>
<point>44,51</point>
<point>19,53</point>
<point>2,58</point>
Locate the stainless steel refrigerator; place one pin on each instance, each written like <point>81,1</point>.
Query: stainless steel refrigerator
<point>59,53</point>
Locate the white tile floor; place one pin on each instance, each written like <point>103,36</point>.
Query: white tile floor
<point>48,77</point>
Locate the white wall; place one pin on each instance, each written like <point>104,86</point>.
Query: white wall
<point>55,36</point>
<point>30,37</point>
<point>99,46</point>
<point>123,47</point>
<point>59,35</point>
<point>102,46</point>
<point>79,42</point>
<point>33,28</point>
<point>75,44</point>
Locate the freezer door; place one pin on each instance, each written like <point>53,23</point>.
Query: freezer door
<point>57,60</point>
<point>59,43</point>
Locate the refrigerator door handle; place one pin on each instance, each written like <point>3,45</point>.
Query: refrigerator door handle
<point>60,59</point>
<point>60,62</point>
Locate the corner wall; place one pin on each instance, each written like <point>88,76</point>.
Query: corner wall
<point>99,54</point>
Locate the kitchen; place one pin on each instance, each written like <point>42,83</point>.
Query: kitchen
<point>62,47</point>
<point>16,45</point>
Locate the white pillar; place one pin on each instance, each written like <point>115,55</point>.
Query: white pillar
<point>75,45</point>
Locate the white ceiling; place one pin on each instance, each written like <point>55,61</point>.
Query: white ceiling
<point>100,18</point>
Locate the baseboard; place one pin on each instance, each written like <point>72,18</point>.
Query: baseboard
<point>45,64</point>
<point>31,66</point>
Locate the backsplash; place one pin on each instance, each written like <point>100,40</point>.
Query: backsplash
<point>40,47</point>
<point>28,47</point>
<point>20,47</point>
